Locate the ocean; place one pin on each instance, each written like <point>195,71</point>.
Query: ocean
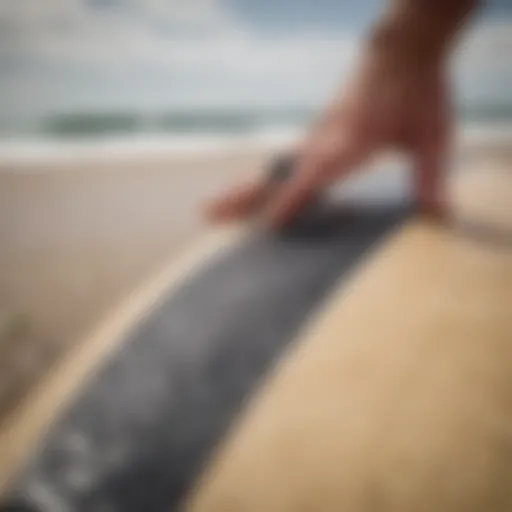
<point>109,134</point>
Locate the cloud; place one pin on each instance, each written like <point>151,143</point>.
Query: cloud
<point>172,40</point>
<point>60,53</point>
<point>167,32</point>
<point>95,31</point>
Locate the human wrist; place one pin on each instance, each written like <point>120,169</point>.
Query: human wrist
<point>397,44</point>
<point>419,32</point>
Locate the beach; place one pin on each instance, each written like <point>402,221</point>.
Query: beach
<point>80,232</point>
<point>76,239</point>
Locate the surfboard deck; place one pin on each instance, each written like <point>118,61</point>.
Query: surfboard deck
<point>135,422</point>
<point>398,396</point>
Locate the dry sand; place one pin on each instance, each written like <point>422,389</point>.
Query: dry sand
<point>75,239</point>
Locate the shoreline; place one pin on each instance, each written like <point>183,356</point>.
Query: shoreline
<point>17,154</point>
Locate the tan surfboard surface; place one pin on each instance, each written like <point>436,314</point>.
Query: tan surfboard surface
<point>398,396</point>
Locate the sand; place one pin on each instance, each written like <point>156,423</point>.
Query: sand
<point>75,238</point>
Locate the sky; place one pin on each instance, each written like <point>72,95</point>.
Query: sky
<point>69,55</point>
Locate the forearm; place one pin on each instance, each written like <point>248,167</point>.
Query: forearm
<point>422,30</point>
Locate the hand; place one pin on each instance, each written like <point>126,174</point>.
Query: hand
<point>392,103</point>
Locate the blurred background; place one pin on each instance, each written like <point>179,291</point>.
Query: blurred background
<point>199,72</point>
<point>118,117</point>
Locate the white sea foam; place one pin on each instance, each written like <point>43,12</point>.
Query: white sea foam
<point>476,133</point>
<point>45,151</point>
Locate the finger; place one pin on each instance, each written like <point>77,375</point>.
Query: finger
<point>239,202</point>
<point>431,146</point>
<point>430,166</point>
<point>324,163</point>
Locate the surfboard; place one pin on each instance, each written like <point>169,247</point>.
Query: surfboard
<point>398,395</point>
<point>184,397</point>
